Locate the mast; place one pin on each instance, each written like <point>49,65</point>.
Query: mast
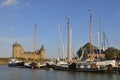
<point>58,38</point>
<point>35,39</point>
<point>104,45</point>
<point>105,41</point>
<point>60,41</point>
<point>100,36</point>
<point>90,34</point>
<point>68,44</point>
<point>99,41</point>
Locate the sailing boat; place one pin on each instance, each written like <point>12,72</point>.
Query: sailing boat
<point>64,65</point>
<point>90,66</point>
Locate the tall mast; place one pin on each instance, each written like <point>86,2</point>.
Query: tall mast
<point>69,47</point>
<point>104,46</point>
<point>90,35</point>
<point>60,41</point>
<point>100,36</point>
<point>35,38</point>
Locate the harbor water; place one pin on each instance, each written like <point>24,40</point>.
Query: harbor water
<point>13,73</point>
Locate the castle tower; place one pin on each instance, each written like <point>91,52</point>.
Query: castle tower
<point>17,50</point>
<point>42,53</point>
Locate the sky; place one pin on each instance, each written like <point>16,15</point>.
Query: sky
<point>18,18</point>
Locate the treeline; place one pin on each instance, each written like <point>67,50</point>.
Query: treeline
<point>112,53</point>
<point>4,60</point>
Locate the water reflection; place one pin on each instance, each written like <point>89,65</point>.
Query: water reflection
<point>7,73</point>
<point>14,75</point>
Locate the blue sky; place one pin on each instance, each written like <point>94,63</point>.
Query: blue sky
<point>18,17</point>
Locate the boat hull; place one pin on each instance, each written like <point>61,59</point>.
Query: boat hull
<point>15,63</point>
<point>61,68</point>
<point>116,69</point>
<point>92,69</point>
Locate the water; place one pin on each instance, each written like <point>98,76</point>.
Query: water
<point>10,73</point>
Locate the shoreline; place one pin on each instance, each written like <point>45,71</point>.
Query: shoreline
<point>3,61</point>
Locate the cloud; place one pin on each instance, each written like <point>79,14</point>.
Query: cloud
<point>9,2</point>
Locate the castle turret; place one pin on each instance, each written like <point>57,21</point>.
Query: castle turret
<point>42,53</point>
<point>17,50</point>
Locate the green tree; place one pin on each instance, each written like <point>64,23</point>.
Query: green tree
<point>87,47</point>
<point>112,53</point>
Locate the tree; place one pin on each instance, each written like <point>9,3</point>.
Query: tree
<point>87,47</point>
<point>112,53</point>
<point>79,52</point>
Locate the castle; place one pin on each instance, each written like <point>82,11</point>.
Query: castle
<point>18,52</point>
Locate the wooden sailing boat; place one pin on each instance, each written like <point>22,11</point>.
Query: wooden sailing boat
<point>64,65</point>
<point>90,66</point>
